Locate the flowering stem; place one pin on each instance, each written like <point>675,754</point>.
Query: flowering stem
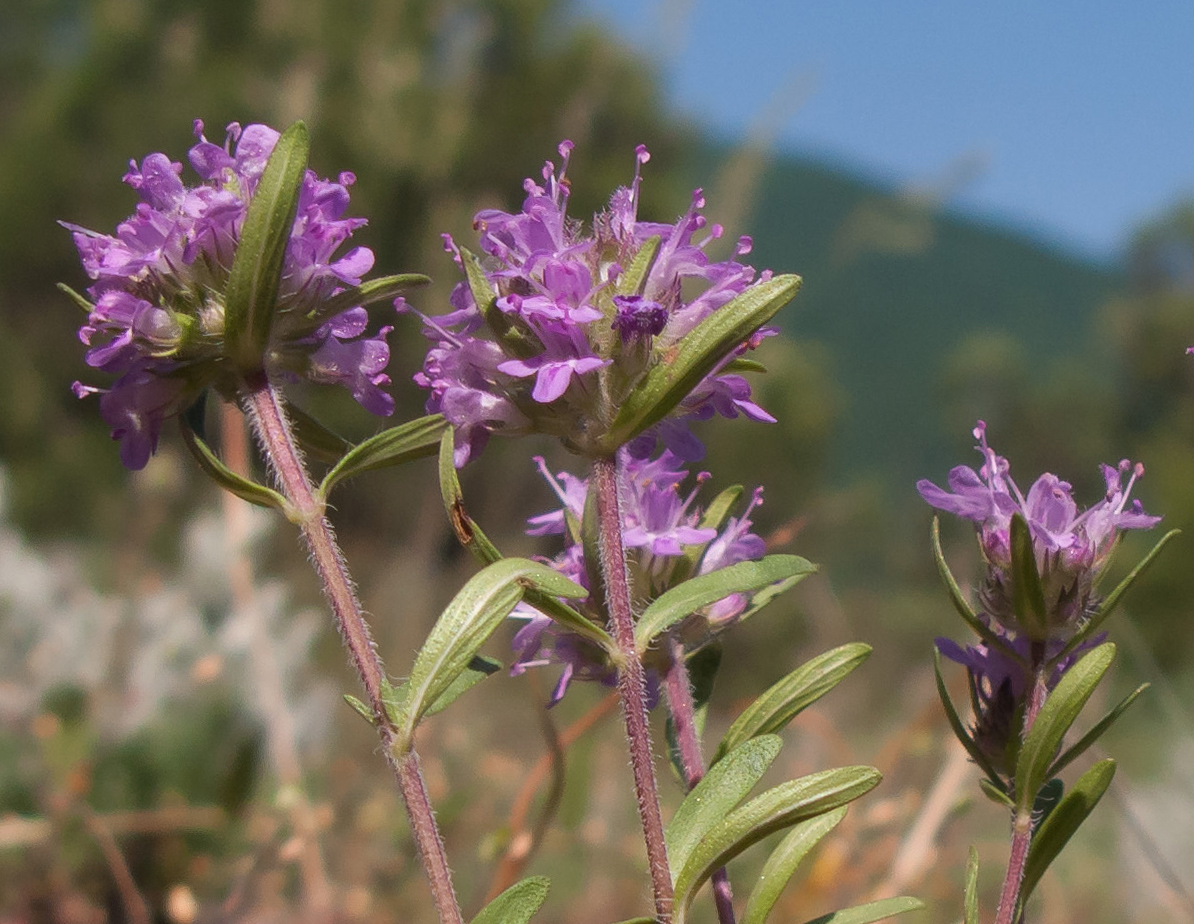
<point>632,684</point>
<point>268,417</point>
<point>1009,897</point>
<point>682,710</point>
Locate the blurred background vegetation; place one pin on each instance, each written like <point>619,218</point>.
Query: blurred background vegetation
<point>164,723</point>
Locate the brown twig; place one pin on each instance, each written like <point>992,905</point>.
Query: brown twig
<point>135,908</point>
<point>525,839</point>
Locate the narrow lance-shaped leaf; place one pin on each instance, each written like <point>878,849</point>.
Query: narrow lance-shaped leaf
<point>970,895</point>
<point>632,278</point>
<point>415,439</point>
<point>697,354</point>
<point>394,697</point>
<point>1107,607</point>
<point>774,810</point>
<point>1096,732</point>
<point>514,336</point>
<point>871,911</point>
<point>473,538</point>
<point>959,730</point>
<point>1028,595</point>
<point>75,297</point>
<point>1056,830</point>
<point>722,788</point>
<point>679,602</point>
<point>517,904</point>
<point>226,478</point>
<point>961,604</point>
<point>1058,713</point>
<point>316,439</point>
<point>370,292</point>
<point>784,860</point>
<point>472,616</point>
<point>784,700</point>
<point>466,529</point>
<point>251,294</point>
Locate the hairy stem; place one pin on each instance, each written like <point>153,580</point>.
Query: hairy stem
<point>1009,897</point>
<point>267,675</point>
<point>268,416</point>
<point>682,710</point>
<point>632,685</point>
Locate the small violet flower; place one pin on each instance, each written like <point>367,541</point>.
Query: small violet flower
<point>1071,547</point>
<point>663,538</point>
<point>556,347</point>
<point>156,317</point>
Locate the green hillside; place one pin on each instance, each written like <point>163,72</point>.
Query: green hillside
<point>893,284</point>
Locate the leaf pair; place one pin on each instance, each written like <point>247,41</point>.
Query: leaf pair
<point>711,827</point>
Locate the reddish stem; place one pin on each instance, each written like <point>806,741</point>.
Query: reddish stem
<point>682,710</point>
<point>268,417</point>
<point>632,684</point>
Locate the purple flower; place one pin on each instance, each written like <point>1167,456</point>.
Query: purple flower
<point>156,319</point>
<point>563,346</point>
<point>664,542</point>
<point>1000,681</point>
<point>1070,547</point>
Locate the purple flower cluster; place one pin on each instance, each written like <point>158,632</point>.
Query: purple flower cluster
<point>1071,547</point>
<point>550,342</point>
<point>661,528</point>
<point>157,317</point>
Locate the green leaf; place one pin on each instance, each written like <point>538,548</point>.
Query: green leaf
<point>720,791</point>
<point>517,904</point>
<point>776,809</point>
<point>514,335</point>
<point>1063,821</point>
<point>996,794</point>
<point>741,365</point>
<point>477,670</point>
<point>970,897</point>
<point>251,294</point>
<point>1058,713</point>
<point>643,920</point>
<point>696,355</point>
<point>371,292</point>
<point>959,729</point>
<point>1046,801</point>
<point>632,278</point>
<point>782,863</point>
<point>786,699</point>
<point>871,911</point>
<point>959,599</point>
<point>315,438</point>
<point>76,297</point>
<point>412,440</point>
<point>364,711</point>
<point>226,478</point>
<point>1096,732</point>
<point>1112,599</point>
<point>681,601</point>
<point>472,616</point>
<point>1028,595</point>
<point>473,538</point>
<point>466,529</point>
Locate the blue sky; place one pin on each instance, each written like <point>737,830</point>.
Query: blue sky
<point>1073,120</point>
